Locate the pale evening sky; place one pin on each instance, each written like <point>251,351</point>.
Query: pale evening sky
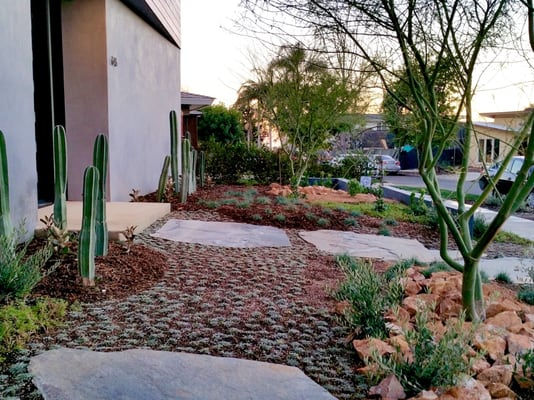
<point>215,61</point>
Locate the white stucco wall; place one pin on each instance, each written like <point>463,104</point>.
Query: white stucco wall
<point>142,88</point>
<point>85,80</point>
<point>17,118</point>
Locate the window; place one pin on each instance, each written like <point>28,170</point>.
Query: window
<point>488,150</point>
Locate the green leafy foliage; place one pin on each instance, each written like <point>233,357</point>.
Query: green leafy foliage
<point>417,204</point>
<point>19,321</point>
<point>220,124</point>
<point>370,295</point>
<point>230,163</point>
<point>436,362</point>
<point>503,277</point>
<point>526,294</point>
<point>19,273</point>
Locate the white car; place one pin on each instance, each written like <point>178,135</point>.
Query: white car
<point>386,164</point>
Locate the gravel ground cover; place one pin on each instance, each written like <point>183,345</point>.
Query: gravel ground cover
<point>265,304</point>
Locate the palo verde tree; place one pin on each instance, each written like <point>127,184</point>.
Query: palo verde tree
<point>303,100</point>
<point>424,38</point>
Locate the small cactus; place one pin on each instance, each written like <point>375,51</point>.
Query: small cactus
<point>60,177</point>
<point>202,168</point>
<point>174,151</point>
<point>86,246</point>
<point>163,179</point>
<point>6,228</point>
<point>186,165</point>
<point>100,161</point>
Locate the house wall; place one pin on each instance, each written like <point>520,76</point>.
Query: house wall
<point>86,84</point>
<point>144,86</point>
<point>17,120</point>
<point>504,137</point>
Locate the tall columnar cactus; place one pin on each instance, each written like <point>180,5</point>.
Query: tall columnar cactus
<point>192,171</point>
<point>6,228</point>
<point>186,167</point>
<point>202,168</point>
<point>87,240</point>
<point>163,179</point>
<point>100,161</point>
<point>174,151</point>
<point>60,177</point>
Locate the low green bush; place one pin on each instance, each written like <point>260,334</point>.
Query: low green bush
<point>503,277</point>
<point>526,294</point>
<point>19,321</point>
<point>19,273</point>
<point>370,295</point>
<point>233,163</point>
<point>436,363</point>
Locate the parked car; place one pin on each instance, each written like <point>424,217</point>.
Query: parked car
<point>507,178</point>
<point>386,164</point>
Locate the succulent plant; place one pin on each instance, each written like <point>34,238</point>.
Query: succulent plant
<point>87,241</point>
<point>6,228</point>
<point>60,177</point>
<point>174,151</point>
<point>100,161</point>
<point>162,185</point>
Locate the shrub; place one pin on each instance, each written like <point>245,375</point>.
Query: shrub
<point>19,274</point>
<point>350,222</point>
<point>526,294</point>
<point>503,277</point>
<point>263,200</point>
<point>436,363</point>
<point>280,218</point>
<point>417,204</point>
<point>323,222</point>
<point>18,321</point>
<point>231,163</point>
<point>479,226</point>
<point>436,267</point>
<point>369,295</point>
<point>384,231</point>
<point>311,216</point>
<point>256,217</point>
<point>355,187</point>
<point>391,222</point>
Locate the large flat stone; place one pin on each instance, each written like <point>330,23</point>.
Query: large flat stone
<point>224,234</point>
<point>368,246</point>
<point>68,374</point>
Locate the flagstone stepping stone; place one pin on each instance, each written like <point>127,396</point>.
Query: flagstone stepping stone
<point>224,234</point>
<point>70,374</point>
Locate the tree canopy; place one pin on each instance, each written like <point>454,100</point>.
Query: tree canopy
<point>302,99</point>
<point>220,124</point>
<point>422,39</point>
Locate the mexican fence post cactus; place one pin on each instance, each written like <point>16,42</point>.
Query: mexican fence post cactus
<point>6,228</point>
<point>202,168</point>
<point>192,171</point>
<point>86,245</point>
<point>174,151</point>
<point>186,165</point>
<point>100,161</point>
<point>60,177</point>
<point>163,179</point>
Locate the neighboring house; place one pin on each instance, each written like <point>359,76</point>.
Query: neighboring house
<point>493,138</point>
<point>191,106</point>
<point>95,66</point>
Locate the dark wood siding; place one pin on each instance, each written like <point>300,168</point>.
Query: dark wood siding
<point>168,12</point>
<point>162,15</point>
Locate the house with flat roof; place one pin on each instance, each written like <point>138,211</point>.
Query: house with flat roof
<point>493,138</point>
<point>94,66</point>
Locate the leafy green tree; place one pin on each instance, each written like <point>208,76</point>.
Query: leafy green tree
<point>398,106</point>
<point>303,100</point>
<point>425,38</point>
<point>220,124</point>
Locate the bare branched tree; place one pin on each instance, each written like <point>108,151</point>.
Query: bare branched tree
<point>421,39</point>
